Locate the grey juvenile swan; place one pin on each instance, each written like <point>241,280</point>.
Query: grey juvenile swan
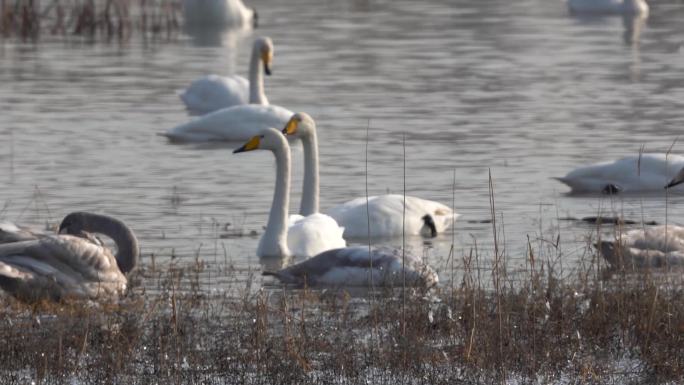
<point>72,263</point>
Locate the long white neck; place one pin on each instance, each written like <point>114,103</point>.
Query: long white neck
<point>310,191</point>
<point>273,242</point>
<point>256,79</point>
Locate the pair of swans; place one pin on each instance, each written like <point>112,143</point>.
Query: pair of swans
<point>351,266</point>
<point>70,264</point>
<point>218,13</point>
<point>609,7</point>
<point>213,92</point>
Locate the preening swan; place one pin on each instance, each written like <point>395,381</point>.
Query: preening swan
<point>608,7</point>
<point>658,246</point>
<point>645,173</point>
<point>237,123</point>
<point>69,265</point>
<point>306,236</point>
<point>218,13</point>
<point>212,92</point>
<point>341,266</point>
<point>424,217</point>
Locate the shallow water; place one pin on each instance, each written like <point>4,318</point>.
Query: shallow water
<point>519,89</point>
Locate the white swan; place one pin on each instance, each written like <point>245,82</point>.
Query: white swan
<point>424,217</point>
<point>237,123</point>
<point>67,264</point>
<point>658,246</point>
<point>648,172</point>
<point>212,92</point>
<point>341,266</point>
<point>608,7</point>
<point>218,13</point>
<point>306,236</point>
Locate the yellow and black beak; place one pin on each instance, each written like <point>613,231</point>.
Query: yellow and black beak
<point>252,144</point>
<point>267,58</point>
<point>291,126</point>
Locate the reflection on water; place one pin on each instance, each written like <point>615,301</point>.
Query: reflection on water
<point>521,90</point>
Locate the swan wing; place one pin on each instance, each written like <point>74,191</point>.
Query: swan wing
<point>212,92</point>
<point>313,234</point>
<point>237,123</point>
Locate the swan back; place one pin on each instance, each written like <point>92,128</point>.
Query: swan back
<point>354,266</point>
<point>218,13</point>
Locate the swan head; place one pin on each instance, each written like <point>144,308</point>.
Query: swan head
<point>429,229</point>
<point>75,223</point>
<point>269,139</point>
<point>264,47</point>
<point>300,125</point>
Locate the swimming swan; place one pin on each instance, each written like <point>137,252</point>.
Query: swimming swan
<point>212,92</point>
<point>218,13</point>
<point>648,173</point>
<point>424,217</point>
<point>237,123</point>
<point>608,7</point>
<point>306,236</point>
<point>341,266</point>
<point>658,246</point>
<point>68,265</point>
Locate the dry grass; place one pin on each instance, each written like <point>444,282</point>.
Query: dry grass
<point>540,328</point>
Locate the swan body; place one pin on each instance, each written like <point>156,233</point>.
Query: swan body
<point>212,92</point>
<point>218,13</point>
<point>386,212</point>
<point>608,7</point>
<point>67,264</point>
<point>340,266</point>
<point>353,266</point>
<point>9,232</point>
<point>650,172</point>
<point>658,246</point>
<point>237,123</point>
<point>310,235</point>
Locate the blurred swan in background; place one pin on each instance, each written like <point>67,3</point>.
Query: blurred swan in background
<point>422,217</point>
<point>608,7</point>
<point>653,247</point>
<point>69,264</point>
<point>645,173</point>
<point>213,92</point>
<point>237,123</point>
<point>218,13</point>
<point>339,266</point>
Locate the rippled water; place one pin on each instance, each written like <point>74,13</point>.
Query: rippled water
<point>518,88</point>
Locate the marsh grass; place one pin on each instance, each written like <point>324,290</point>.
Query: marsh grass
<point>540,327</point>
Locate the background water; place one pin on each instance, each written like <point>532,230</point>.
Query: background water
<point>520,89</point>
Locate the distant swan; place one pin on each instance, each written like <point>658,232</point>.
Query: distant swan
<point>423,217</point>
<point>658,246</point>
<point>341,266</point>
<point>608,7</point>
<point>212,92</point>
<point>237,123</point>
<point>218,13</point>
<point>650,172</point>
<point>68,265</point>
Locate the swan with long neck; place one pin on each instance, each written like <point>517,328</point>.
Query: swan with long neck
<point>339,266</point>
<point>388,216</point>
<point>213,92</point>
<point>69,264</point>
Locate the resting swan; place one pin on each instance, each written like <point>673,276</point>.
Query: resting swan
<point>424,217</point>
<point>658,246</point>
<point>340,266</point>
<point>69,265</point>
<point>212,92</point>
<point>237,123</point>
<point>608,7</point>
<point>218,13</point>
<point>648,173</point>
